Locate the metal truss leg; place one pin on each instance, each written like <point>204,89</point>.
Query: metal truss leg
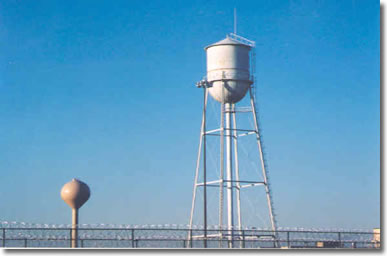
<point>263,166</point>
<point>238,190</point>
<point>202,135</point>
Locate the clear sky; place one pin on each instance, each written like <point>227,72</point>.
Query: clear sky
<point>104,91</point>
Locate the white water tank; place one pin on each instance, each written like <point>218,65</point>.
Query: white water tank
<point>228,70</point>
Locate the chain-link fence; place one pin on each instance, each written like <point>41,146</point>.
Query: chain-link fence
<point>13,235</point>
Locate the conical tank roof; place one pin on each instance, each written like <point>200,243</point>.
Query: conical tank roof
<point>227,41</point>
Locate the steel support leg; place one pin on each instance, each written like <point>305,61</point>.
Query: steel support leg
<point>204,173</point>
<point>238,191</point>
<point>202,132</point>
<point>263,166</point>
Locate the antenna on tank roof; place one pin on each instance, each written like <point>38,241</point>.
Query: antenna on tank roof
<point>235,21</point>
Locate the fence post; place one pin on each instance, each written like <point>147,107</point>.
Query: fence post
<point>339,236</point>
<point>81,242</point>
<point>132,238</point>
<point>288,238</point>
<point>71,237</point>
<point>3,237</point>
<point>25,242</point>
<point>243,239</point>
<point>190,238</point>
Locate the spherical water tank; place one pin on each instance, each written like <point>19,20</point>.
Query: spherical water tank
<point>228,70</point>
<point>75,193</point>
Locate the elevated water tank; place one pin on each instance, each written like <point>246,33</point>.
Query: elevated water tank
<point>228,70</point>
<point>75,193</point>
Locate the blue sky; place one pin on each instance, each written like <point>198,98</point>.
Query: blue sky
<point>104,91</point>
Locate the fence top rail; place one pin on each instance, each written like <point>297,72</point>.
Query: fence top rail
<point>193,230</point>
<point>107,226</point>
<point>184,239</point>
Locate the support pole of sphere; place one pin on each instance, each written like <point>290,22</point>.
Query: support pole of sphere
<point>230,219</point>
<point>74,231</point>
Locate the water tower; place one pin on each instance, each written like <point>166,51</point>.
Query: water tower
<point>75,193</point>
<point>230,76</point>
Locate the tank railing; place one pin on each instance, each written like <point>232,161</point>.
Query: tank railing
<point>204,82</point>
<point>177,238</point>
<point>241,39</point>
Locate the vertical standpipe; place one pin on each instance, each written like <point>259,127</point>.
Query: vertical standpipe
<point>230,213</point>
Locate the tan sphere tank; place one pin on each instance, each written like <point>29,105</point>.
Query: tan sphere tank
<point>75,193</point>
